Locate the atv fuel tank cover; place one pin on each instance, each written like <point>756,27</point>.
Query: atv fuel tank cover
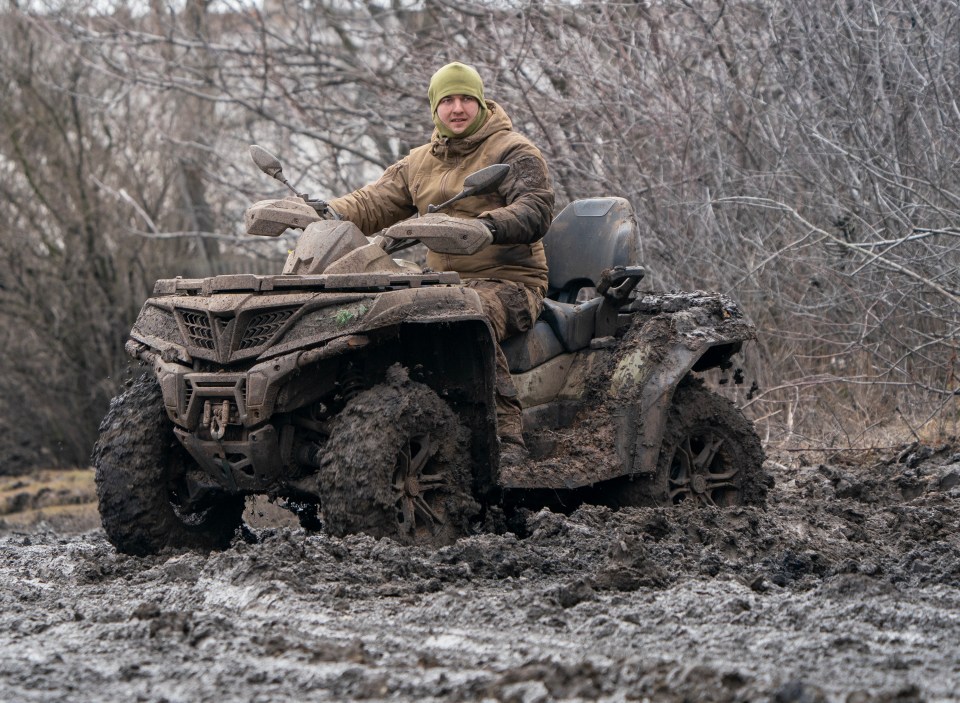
<point>594,207</point>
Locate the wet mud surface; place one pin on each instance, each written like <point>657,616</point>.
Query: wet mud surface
<point>846,587</point>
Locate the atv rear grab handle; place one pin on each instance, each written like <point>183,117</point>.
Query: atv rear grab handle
<point>618,282</point>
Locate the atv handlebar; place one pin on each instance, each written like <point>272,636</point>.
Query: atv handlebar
<point>270,165</point>
<point>479,182</point>
<point>440,233</point>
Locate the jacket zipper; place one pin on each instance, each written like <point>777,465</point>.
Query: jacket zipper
<point>443,182</point>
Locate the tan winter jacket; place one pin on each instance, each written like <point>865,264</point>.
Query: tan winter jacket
<point>521,210</point>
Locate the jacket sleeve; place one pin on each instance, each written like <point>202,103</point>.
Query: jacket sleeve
<point>380,204</point>
<point>528,196</point>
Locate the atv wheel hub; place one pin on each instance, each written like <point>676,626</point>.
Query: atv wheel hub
<point>412,486</point>
<point>698,483</point>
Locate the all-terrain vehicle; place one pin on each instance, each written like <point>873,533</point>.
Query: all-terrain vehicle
<point>358,389</point>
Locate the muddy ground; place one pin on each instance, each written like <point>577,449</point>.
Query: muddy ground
<point>846,588</point>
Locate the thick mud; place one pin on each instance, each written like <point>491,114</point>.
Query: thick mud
<point>846,587</point>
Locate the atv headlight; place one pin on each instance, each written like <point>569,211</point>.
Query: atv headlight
<point>157,327</point>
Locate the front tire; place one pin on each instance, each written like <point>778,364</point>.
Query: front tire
<point>397,465</point>
<point>139,475</point>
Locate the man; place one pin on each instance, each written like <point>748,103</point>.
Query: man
<point>510,275</point>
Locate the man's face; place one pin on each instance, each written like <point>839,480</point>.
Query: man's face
<point>457,112</point>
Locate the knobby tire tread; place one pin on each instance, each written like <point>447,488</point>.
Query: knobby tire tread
<point>357,471</point>
<point>133,456</point>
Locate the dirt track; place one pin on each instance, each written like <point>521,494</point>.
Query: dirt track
<point>847,588</point>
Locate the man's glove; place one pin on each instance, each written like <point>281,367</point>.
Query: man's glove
<point>323,209</point>
<point>490,225</point>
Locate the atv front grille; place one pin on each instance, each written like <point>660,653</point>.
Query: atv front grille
<point>226,336</point>
<point>198,329</point>
<point>262,327</point>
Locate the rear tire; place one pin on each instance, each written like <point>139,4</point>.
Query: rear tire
<point>397,465</point>
<point>710,455</point>
<point>140,466</point>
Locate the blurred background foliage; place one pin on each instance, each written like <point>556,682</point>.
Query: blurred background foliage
<point>802,156</point>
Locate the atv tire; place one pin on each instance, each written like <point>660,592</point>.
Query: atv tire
<point>138,463</point>
<point>397,465</point>
<point>710,455</point>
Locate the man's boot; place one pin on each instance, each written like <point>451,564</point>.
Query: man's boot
<point>513,452</point>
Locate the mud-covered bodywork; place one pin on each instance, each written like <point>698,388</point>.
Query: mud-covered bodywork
<point>250,366</point>
<point>675,334</point>
<point>359,389</point>
<point>653,342</point>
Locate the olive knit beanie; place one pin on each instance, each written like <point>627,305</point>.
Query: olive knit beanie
<point>457,79</point>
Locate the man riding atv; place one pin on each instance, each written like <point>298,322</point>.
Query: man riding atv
<point>509,275</point>
<point>372,396</point>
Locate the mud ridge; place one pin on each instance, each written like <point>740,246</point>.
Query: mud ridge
<point>844,588</point>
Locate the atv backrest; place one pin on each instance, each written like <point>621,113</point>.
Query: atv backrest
<point>587,237</point>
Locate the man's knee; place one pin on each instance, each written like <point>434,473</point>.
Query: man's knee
<point>521,307</point>
<point>510,307</point>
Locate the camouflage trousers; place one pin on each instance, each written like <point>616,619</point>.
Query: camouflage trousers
<point>510,308</point>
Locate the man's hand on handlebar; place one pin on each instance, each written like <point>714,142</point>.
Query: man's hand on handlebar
<point>323,209</point>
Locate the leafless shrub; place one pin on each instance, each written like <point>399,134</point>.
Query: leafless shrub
<point>799,155</point>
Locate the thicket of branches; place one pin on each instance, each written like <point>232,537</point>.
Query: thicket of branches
<point>802,156</point>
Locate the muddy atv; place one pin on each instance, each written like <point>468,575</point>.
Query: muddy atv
<point>358,389</point>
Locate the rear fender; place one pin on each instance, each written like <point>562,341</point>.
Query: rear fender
<point>661,353</point>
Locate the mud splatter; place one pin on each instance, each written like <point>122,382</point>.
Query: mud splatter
<point>846,587</point>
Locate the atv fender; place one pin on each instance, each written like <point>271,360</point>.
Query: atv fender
<point>666,348</point>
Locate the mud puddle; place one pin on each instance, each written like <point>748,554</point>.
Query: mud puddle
<point>845,588</point>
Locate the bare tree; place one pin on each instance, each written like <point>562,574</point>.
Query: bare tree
<point>799,155</point>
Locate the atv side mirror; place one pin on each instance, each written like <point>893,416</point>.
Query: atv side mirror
<point>270,165</point>
<point>486,179</point>
<point>267,162</point>
<point>477,183</point>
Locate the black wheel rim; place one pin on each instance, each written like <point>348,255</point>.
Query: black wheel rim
<point>702,470</point>
<point>419,489</point>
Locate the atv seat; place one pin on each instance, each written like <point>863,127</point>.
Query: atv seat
<point>562,327</point>
<point>587,237</point>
